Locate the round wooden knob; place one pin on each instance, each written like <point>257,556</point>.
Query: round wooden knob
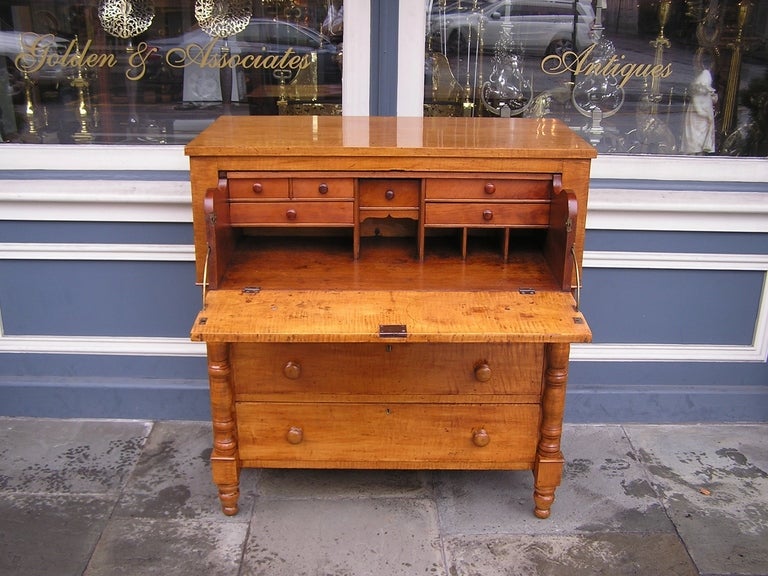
<point>292,370</point>
<point>482,372</point>
<point>480,437</point>
<point>258,188</point>
<point>389,194</point>
<point>323,188</point>
<point>487,215</point>
<point>489,188</point>
<point>290,214</point>
<point>294,435</point>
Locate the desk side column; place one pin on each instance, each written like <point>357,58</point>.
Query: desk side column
<point>548,468</point>
<point>225,460</point>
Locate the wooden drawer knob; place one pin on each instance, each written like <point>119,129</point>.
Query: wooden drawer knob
<point>290,214</point>
<point>487,215</point>
<point>389,194</point>
<point>482,372</point>
<point>292,370</point>
<point>323,188</point>
<point>480,438</point>
<point>490,188</point>
<point>294,435</point>
<point>258,188</point>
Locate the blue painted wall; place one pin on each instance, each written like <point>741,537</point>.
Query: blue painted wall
<point>158,299</point>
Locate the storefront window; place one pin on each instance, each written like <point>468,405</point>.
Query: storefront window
<point>157,71</point>
<point>632,76</point>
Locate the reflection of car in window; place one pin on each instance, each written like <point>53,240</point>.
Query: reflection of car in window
<point>536,26</point>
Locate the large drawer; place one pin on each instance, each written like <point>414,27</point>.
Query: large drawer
<point>531,187</point>
<point>397,369</point>
<point>525,215</point>
<point>307,213</point>
<point>379,435</point>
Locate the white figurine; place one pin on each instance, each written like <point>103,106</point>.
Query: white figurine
<point>699,123</point>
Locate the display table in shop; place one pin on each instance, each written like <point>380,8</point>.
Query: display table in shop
<point>388,292</point>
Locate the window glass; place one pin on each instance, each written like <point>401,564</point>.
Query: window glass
<point>632,76</point>
<point>157,71</point>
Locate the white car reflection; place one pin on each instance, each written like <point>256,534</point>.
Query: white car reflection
<point>537,27</point>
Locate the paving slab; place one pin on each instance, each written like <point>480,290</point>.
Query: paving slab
<point>146,547</point>
<point>713,481</point>
<point>172,478</point>
<point>604,488</point>
<point>68,456</point>
<point>322,484</point>
<point>43,535</point>
<point>612,554</point>
<point>344,537</point>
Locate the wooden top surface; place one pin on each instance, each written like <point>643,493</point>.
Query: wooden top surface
<point>266,136</point>
<point>355,316</point>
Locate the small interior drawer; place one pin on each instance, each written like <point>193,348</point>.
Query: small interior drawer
<point>288,213</point>
<point>531,187</point>
<point>258,188</point>
<point>389,193</point>
<point>323,188</point>
<point>475,214</point>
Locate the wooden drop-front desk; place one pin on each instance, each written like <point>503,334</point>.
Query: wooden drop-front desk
<point>388,292</point>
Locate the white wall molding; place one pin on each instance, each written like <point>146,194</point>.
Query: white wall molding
<point>680,168</point>
<point>95,200</point>
<point>101,346</point>
<point>105,252</point>
<point>757,351</point>
<point>356,79</point>
<point>677,211</point>
<point>410,59</point>
<point>88,157</point>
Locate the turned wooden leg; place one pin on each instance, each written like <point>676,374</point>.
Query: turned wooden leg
<point>548,468</point>
<point>225,462</point>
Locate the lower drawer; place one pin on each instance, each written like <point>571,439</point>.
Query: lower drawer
<point>381,435</point>
<point>403,369</point>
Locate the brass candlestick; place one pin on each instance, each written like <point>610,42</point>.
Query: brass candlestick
<point>82,112</point>
<point>732,88</point>
<point>660,44</point>
<point>126,19</point>
<point>32,131</point>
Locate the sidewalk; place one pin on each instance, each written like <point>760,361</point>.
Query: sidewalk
<point>106,498</point>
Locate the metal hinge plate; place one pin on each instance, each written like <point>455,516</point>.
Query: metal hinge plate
<point>393,331</point>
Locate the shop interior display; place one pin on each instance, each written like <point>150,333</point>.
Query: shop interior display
<point>647,77</point>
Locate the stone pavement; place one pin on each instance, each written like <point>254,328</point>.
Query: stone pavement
<point>102,497</point>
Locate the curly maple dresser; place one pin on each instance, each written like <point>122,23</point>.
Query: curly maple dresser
<point>388,292</point>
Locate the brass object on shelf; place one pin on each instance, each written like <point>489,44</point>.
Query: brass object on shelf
<point>126,19</point>
<point>222,18</point>
<point>737,46</point>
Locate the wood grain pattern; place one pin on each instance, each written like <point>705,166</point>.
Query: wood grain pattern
<point>355,316</point>
<point>387,434</point>
<point>403,370</point>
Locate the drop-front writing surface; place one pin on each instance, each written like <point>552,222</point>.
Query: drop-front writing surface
<point>388,292</point>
